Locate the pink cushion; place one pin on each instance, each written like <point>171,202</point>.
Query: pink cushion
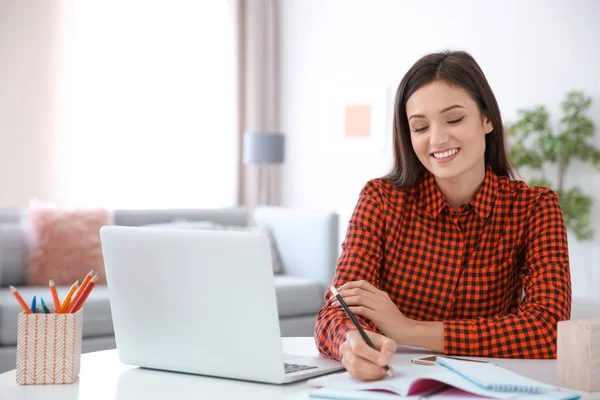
<point>64,245</point>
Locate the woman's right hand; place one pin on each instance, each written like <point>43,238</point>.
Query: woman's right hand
<point>362,361</point>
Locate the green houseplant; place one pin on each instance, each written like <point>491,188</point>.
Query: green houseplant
<point>533,143</point>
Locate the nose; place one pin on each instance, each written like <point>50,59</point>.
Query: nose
<point>438,136</point>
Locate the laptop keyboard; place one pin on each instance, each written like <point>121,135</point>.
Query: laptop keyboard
<point>289,368</point>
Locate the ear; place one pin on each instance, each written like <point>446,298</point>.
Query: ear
<point>488,126</point>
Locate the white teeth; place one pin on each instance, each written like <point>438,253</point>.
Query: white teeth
<point>446,153</point>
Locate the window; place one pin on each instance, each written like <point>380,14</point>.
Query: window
<point>148,104</point>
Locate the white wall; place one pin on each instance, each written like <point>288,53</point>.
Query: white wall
<point>532,52</point>
<point>28,61</point>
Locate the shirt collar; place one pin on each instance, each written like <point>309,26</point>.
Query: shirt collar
<point>433,201</point>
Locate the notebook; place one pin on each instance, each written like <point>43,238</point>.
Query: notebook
<point>442,393</point>
<point>412,380</point>
<point>493,377</point>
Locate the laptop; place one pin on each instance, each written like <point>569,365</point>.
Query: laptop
<point>200,302</point>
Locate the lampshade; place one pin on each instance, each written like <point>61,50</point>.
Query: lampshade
<point>267,148</point>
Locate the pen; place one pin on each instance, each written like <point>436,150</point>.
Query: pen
<point>355,322</point>
<point>33,307</point>
<point>15,293</point>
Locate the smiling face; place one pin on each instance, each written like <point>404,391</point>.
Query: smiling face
<point>447,130</point>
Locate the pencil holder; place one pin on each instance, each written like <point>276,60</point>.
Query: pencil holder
<point>49,348</point>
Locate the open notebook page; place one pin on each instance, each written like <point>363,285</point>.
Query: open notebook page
<point>445,393</point>
<point>407,380</point>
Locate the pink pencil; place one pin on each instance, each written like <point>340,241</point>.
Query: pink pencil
<point>84,295</point>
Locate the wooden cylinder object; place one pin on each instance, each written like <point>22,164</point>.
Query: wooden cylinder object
<point>578,354</point>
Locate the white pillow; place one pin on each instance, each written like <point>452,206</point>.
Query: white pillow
<point>211,226</point>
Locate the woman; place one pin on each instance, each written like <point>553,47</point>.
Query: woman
<point>448,252</point>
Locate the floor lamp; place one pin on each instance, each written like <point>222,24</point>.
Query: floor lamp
<point>263,149</point>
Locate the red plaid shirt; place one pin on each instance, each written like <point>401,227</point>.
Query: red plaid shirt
<point>495,271</point>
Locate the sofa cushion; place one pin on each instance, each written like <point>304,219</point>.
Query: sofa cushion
<point>225,216</point>
<point>13,254</point>
<point>64,244</point>
<point>10,215</point>
<point>295,297</point>
<point>298,296</point>
<point>96,312</point>
<point>208,225</point>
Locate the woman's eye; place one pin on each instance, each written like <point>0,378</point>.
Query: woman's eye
<point>417,130</point>
<point>456,121</point>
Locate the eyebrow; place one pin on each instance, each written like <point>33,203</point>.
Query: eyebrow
<point>452,107</point>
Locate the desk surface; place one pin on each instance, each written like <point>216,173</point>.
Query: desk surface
<point>103,376</point>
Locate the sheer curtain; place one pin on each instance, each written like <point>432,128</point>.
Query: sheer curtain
<point>259,55</point>
<point>148,97</point>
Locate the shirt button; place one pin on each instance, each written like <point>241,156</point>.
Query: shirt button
<point>468,207</point>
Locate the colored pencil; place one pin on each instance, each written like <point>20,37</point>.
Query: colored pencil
<point>15,293</point>
<point>44,308</point>
<point>33,306</point>
<point>78,303</point>
<point>83,285</point>
<point>55,296</point>
<point>64,306</point>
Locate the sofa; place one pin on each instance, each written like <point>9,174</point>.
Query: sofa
<point>307,242</point>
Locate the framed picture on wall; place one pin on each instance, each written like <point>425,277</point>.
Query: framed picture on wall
<point>361,117</point>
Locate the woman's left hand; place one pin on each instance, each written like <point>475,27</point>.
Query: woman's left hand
<point>369,302</point>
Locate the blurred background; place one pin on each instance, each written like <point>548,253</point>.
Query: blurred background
<point>144,104</point>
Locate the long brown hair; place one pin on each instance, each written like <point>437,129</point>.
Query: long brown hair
<point>459,69</point>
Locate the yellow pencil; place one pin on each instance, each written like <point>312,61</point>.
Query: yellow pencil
<point>55,297</point>
<point>67,300</point>
<point>82,287</point>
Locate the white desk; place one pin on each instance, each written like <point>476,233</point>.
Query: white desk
<point>104,377</point>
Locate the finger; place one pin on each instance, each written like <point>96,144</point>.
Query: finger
<point>362,311</point>
<point>357,345</point>
<point>359,284</point>
<point>369,372</point>
<point>362,299</point>
<point>354,292</point>
<point>385,345</point>
<point>344,294</point>
<point>361,368</point>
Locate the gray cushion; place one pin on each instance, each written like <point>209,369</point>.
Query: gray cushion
<point>226,216</point>
<point>208,225</point>
<point>295,296</point>
<point>96,312</point>
<point>13,254</point>
<point>298,296</point>
<point>10,215</point>
<point>186,225</point>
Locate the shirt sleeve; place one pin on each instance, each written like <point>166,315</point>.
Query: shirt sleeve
<point>361,259</point>
<point>531,331</point>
